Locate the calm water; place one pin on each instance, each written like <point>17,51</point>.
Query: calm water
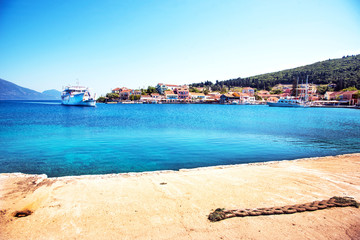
<point>46,137</point>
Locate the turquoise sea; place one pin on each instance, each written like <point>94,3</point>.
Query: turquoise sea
<point>46,137</point>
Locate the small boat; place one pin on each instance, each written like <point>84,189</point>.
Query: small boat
<point>77,96</point>
<point>291,102</point>
<point>284,102</point>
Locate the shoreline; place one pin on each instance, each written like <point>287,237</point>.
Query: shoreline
<point>156,172</point>
<point>175,204</point>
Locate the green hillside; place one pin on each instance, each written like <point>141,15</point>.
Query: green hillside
<point>344,72</point>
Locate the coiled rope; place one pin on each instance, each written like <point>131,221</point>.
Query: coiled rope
<point>221,213</point>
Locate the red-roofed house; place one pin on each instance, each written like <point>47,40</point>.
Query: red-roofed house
<point>146,98</point>
<point>119,90</point>
<point>248,90</point>
<point>155,96</point>
<point>212,98</point>
<point>116,90</point>
<point>272,99</point>
<point>125,94</point>
<point>244,97</point>
<point>170,96</point>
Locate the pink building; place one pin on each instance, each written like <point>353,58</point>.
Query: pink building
<point>183,93</point>
<point>351,96</point>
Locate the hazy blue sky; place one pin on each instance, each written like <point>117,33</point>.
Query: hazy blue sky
<point>46,44</point>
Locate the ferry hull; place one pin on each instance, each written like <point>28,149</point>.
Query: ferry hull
<point>77,100</point>
<point>284,105</point>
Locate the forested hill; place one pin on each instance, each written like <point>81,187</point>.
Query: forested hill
<point>344,72</point>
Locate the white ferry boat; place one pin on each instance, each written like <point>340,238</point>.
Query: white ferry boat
<point>284,102</point>
<point>77,96</point>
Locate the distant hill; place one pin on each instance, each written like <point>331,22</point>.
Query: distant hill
<point>11,91</point>
<point>344,72</point>
<point>53,94</point>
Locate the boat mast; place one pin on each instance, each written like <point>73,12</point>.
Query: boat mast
<point>306,91</point>
<point>302,95</point>
<point>297,85</point>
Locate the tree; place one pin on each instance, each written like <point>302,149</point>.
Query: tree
<point>277,91</point>
<point>101,100</point>
<point>112,95</point>
<point>349,89</point>
<point>343,72</point>
<point>257,97</point>
<point>223,90</point>
<point>151,90</point>
<point>195,90</point>
<point>322,89</point>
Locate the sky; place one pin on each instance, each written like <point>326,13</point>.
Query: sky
<point>106,44</point>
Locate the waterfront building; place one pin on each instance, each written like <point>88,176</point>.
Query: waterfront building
<point>212,98</point>
<point>116,90</point>
<point>156,96</point>
<point>146,98</point>
<point>135,92</point>
<point>301,90</point>
<point>183,93</point>
<point>197,97</point>
<point>351,96</point>
<point>244,98</point>
<point>215,94</point>
<point>161,88</point>
<point>248,90</point>
<point>170,96</point>
<point>202,89</point>
<point>283,95</point>
<point>125,94</point>
<point>282,87</point>
<point>328,95</point>
<point>119,90</point>
<point>288,91</point>
<point>227,98</point>
<point>272,99</point>
<point>263,94</point>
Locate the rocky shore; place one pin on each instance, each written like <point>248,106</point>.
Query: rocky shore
<point>176,204</point>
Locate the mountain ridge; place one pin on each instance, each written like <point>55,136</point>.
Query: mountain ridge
<point>12,91</point>
<point>344,72</point>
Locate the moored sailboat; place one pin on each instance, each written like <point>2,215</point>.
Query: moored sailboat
<point>292,102</point>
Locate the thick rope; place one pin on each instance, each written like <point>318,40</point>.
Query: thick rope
<point>221,213</point>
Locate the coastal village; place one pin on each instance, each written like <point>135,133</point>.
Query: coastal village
<point>170,93</point>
